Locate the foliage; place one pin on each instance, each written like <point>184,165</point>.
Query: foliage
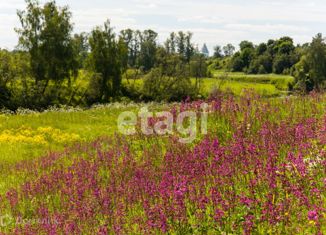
<point>43,70</point>
<point>217,52</point>
<point>180,43</point>
<point>277,56</point>
<point>81,48</point>
<point>148,49</point>
<point>310,71</point>
<point>106,59</point>
<point>198,66</point>
<point>45,34</point>
<point>159,86</point>
<point>7,72</point>
<point>228,50</point>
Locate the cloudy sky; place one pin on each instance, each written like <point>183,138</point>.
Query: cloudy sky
<point>211,21</point>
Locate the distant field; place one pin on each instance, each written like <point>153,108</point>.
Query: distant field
<point>267,85</point>
<point>238,87</point>
<point>281,82</point>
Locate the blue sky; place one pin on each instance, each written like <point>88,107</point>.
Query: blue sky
<point>212,22</point>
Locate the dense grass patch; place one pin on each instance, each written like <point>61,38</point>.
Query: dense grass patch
<point>31,135</point>
<point>267,85</point>
<point>208,85</point>
<point>281,82</point>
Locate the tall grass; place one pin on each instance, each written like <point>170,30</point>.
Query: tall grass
<point>238,88</point>
<point>281,82</point>
<point>260,170</point>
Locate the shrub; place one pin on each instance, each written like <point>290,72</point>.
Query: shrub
<point>160,87</point>
<point>93,92</point>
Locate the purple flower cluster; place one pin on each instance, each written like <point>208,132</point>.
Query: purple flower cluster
<point>256,179</point>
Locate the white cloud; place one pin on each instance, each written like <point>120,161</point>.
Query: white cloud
<point>267,28</point>
<point>213,22</point>
<point>87,20</point>
<point>202,19</point>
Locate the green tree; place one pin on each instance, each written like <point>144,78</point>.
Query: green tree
<point>171,43</point>
<point>148,48</point>
<point>284,46</point>
<point>317,60</point>
<point>14,74</point>
<point>228,50</point>
<point>237,63</point>
<point>132,40</point>
<point>246,44</point>
<point>242,60</point>
<point>261,49</point>
<point>159,86</point>
<point>81,49</point>
<point>198,68</point>
<point>105,58</point>
<point>217,52</point>
<point>261,64</point>
<point>7,73</point>
<point>189,50</point>
<point>281,63</point>
<point>181,43</point>
<point>45,34</point>
<point>302,76</point>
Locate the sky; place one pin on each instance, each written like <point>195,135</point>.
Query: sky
<point>214,22</point>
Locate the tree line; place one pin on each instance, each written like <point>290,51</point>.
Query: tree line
<point>53,66</point>
<point>307,62</point>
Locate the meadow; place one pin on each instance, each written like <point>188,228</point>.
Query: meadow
<point>238,152</point>
<point>281,82</point>
<point>236,83</point>
<point>28,134</point>
<point>208,85</point>
<point>259,170</point>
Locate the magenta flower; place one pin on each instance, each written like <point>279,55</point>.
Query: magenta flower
<point>218,215</point>
<point>313,215</point>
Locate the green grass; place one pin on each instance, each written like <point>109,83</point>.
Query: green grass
<point>281,82</point>
<point>237,87</point>
<point>267,85</point>
<point>95,122</point>
<point>87,124</point>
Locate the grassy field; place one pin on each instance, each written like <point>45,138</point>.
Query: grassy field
<point>281,82</point>
<point>259,170</point>
<point>27,136</point>
<point>102,183</point>
<point>237,87</point>
<point>267,85</point>
<point>71,125</point>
